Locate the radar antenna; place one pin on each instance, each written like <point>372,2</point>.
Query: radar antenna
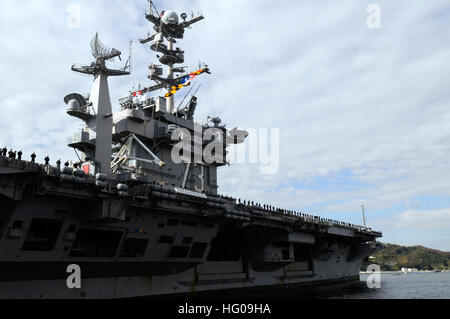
<point>102,53</point>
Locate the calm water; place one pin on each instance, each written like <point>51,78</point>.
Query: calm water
<point>404,286</point>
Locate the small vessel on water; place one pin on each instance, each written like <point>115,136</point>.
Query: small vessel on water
<point>131,219</point>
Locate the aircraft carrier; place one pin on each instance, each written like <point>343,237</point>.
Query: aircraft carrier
<point>139,214</point>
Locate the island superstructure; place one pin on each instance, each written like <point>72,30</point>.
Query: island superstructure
<point>138,220</point>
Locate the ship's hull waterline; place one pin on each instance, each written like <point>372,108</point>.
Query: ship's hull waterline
<point>183,284</point>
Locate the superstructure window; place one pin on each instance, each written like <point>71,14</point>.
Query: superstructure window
<point>96,243</point>
<point>134,247</point>
<point>42,234</point>
<point>198,250</point>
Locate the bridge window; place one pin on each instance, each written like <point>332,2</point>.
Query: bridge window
<point>42,234</point>
<point>187,240</point>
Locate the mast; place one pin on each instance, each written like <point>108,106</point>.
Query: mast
<point>170,99</point>
<point>96,138</point>
<point>363,214</point>
<point>168,28</point>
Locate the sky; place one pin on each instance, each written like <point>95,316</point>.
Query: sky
<point>363,113</point>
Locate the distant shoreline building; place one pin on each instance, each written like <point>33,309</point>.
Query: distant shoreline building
<point>405,270</point>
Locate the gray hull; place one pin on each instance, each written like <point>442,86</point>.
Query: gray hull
<point>164,286</point>
<point>163,243</point>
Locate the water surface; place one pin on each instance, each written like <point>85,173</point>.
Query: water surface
<point>403,286</point>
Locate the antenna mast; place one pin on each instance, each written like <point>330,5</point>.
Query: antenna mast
<point>101,121</point>
<point>130,59</point>
<point>364,216</point>
<point>169,27</point>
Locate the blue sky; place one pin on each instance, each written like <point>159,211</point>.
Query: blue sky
<point>363,113</point>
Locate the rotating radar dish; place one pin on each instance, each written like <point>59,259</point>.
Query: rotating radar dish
<point>101,51</point>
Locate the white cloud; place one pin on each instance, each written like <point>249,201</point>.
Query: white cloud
<point>419,219</point>
<point>412,227</point>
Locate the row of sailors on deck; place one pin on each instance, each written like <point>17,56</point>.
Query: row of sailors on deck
<point>18,155</point>
<point>11,154</point>
<point>274,209</point>
<point>294,213</point>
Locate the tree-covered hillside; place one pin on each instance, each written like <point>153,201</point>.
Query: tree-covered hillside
<point>394,257</point>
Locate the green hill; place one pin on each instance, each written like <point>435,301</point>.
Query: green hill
<point>394,257</point>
